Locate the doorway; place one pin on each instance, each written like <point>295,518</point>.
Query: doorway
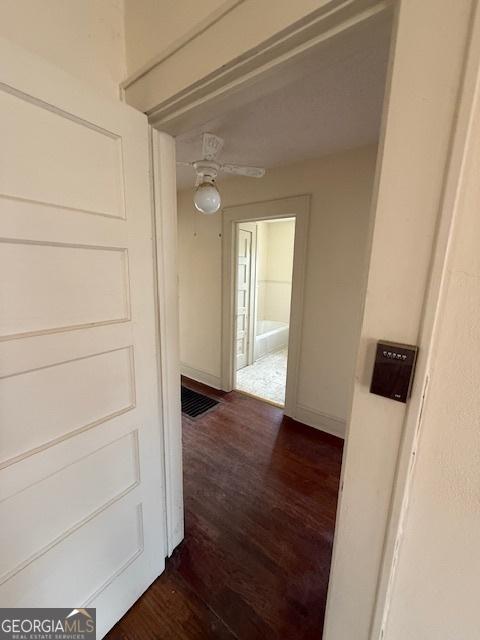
<point>244,309</point>
<point>396,232</point>
<point>263,288</point>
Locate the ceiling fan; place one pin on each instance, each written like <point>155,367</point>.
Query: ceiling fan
<point>207,197</point>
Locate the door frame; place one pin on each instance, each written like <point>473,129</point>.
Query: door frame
<point>454,186</point>
<point>297,207</point>
<point>200,101</point>
<point>164,197</point>
<point>217,92</point>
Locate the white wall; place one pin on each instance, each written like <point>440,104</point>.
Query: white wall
<point>341,187</point>
<point>436,590</point>
<point>262,245</point>
<point>83,37</point>
<point>275,242</point>
<point>154,25</point>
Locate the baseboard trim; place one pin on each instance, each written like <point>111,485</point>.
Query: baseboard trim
<point>321,421</point>
<point>200,376</point>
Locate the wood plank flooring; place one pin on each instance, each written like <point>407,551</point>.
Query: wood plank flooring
<point>260,501</point>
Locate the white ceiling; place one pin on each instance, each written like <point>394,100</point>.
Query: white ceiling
<point>333,103</point>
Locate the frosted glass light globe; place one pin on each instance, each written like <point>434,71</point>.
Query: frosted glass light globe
<point>207,198</point>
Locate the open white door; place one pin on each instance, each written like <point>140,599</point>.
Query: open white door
<point>81,460</point>
<point>245,298</point>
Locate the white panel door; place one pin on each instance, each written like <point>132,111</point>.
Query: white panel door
<point>81,461</point>
<point>245,293</point>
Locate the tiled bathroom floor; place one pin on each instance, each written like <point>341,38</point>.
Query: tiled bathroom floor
<point>265,378</point>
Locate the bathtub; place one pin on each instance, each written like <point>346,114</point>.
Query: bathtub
<point>270,336</point>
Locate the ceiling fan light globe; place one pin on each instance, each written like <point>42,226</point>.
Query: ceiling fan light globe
<point>207,198</point>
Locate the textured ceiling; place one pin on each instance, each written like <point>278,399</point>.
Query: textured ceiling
<point>332,104</point>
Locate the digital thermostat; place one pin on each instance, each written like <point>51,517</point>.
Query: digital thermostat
<point>393,371</point>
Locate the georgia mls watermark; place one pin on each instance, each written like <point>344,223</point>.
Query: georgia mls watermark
<point>47,624</point>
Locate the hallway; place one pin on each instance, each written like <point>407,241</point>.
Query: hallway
<point>260,500</point>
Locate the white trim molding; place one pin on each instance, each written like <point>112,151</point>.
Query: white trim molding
<point>181,42</point>
<point>200,376</point>
<point>252,59</point>
<point>321,421</point>
<point>165,226</point>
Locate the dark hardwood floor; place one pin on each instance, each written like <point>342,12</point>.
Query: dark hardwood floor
<point>260,500</point>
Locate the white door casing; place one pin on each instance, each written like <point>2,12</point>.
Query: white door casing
<point>165,247</point>
<point>81,457</point>
<point>245,293</point>
<point>297,207</point>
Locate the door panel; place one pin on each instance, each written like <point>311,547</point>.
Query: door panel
<point>77,382</point>
<point>81,458</point>
<point>57,286</point>
<point>245,284</point>
<point>80,155</point>
<point>83,484</point>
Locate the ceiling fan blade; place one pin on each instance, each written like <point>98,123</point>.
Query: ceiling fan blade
<point>211,146</point>
<point>180,163</point>
<point>238,170</point>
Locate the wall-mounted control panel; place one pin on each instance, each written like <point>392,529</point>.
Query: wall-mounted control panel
<point>393,371</point>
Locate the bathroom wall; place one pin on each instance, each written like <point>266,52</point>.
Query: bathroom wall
<point>274,269</point>
<point>262,247</point>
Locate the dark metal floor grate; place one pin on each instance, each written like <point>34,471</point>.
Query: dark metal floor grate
<point>194,403</point>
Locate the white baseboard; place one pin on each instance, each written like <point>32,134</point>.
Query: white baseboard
<point>200,376</point>
<point>322,421</point>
